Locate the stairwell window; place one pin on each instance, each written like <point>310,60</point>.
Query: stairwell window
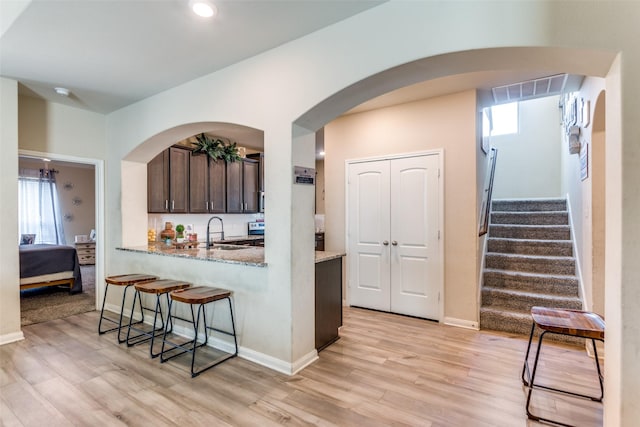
<point>504,119</point>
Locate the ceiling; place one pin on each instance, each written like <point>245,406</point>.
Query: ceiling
<point>110,54</point>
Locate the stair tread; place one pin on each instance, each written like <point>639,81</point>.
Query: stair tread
<point>531,226</point>
<point>508,311</point>
<point>529,212</point>
<point>531,275</point>
<point>514,239</point>
<point>526,256</point>
<point>524,294</point>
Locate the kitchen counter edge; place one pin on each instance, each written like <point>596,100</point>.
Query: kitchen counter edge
<point>251,256</point>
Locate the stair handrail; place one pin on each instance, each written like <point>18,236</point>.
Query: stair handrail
<point>485,207</point>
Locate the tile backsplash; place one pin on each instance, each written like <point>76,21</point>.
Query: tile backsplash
<point>234,224</point>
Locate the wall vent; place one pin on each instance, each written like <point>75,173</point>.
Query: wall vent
<point>544,86</point>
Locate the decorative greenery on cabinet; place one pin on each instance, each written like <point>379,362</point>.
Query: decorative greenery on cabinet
<point>217,148</point>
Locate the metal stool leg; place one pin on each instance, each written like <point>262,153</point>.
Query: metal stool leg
<point>533,385</point>
<point>192,345</point>
<point>104,318</point>
<point>525,367</point>
<point>600,376</point>
<point>138,339</point>
<point>104,300</point>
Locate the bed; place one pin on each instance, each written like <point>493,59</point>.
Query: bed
<point>49,265</point>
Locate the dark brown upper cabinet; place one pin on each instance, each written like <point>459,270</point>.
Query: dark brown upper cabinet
<point>242,186</point>
<point>168,181</point>
<point>207,184</point>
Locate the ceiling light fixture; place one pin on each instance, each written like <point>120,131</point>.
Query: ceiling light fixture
<point>202,8</point>
<point>62,91</point>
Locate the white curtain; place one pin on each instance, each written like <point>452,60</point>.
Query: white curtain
<point>39,208</point>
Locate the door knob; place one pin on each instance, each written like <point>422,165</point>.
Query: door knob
<point>386,243</point>
<point>394,243</point>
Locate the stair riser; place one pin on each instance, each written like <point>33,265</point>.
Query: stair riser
<point>547,247</point>
<point>554,286</point>
<point>547,233</point>
<point>555,218</point>
<point>528,205</point>
<point>521,327</point>
<point>530,265</point>
<point>516,303</point>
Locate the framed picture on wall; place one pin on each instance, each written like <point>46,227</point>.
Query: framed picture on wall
<point>584,161</point>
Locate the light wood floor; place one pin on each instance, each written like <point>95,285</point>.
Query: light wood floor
<point>385,370</point>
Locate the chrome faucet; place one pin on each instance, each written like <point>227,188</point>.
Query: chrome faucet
<point>209,243</point>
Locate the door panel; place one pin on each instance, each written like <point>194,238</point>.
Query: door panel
<point>393,240</point>
<point>368,204</point>
<point>415,261</point>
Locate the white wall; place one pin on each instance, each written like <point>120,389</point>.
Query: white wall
<point>446,122</point>
<point>55,128</point>
<point>317,77</point>
<point>528,164</point>
<point>10,262</point>
<point>580,193</point>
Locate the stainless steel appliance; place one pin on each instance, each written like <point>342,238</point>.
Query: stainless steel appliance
<point>256,229</point>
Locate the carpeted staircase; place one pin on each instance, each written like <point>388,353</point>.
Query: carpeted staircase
<point>529,262</point>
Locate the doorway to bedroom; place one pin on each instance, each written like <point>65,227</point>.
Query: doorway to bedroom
<point>57,222</point>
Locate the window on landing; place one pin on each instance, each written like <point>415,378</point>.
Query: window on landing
<point>504,119</point>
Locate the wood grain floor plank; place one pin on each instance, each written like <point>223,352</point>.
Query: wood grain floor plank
<point>386,370</point>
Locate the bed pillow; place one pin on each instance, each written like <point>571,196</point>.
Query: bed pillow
<point>27,239</point>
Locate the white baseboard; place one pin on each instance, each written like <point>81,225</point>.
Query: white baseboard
<point>243,352</point>
<point>461,323</point>
<point>304,361</point>
<point>12,337</point>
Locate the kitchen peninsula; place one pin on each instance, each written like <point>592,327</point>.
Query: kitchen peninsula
<point>328,278</point>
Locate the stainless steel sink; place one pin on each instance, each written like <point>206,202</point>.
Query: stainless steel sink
<point>228,247</point>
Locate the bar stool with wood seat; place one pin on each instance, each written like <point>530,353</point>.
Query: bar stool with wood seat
<point>126,280</point>
<point>157,288</point>
<point>198,296</point>
<point>573,323</point>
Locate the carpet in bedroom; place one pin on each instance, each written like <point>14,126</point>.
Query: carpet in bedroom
<point>42,304</point>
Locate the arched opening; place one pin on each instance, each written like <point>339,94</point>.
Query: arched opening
<point>457,73</point>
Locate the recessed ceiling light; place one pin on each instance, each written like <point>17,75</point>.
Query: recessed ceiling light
<point>202,8</point>
<point>62,91</point>
<point>321,153</point>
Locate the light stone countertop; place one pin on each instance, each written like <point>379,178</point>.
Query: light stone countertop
<point>244,255</point>
<point>234,254</point>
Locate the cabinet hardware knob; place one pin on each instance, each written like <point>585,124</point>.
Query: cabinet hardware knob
<point>394,243</point>
<point>166,205</point>
<point>386,243</point>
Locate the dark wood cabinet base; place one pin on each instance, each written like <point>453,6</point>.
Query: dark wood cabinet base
<point>328,302</point>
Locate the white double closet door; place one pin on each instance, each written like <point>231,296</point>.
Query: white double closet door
<point>394,252</point>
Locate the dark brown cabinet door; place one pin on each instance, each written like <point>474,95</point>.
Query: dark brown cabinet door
<point>158,183</point>
<point>217,186</point>
<point>328,301</point>
<point>198,183</point>
<point>178,180</point>
<point>234,187</point>
<point>250,175</point>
